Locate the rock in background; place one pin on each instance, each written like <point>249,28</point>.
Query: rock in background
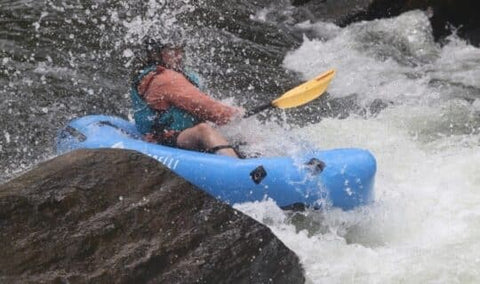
<point>118,216</point>
<point>445,15</point>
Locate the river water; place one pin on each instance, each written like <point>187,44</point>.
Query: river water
<point>413,103</point>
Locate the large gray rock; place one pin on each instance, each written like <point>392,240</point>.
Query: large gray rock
<point>337,11</point>
<point>118,216</point>
<point>445,14</point>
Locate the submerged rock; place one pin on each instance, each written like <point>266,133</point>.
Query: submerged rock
<point>118,216</point>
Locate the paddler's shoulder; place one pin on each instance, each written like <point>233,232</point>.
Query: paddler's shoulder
<point>152,76</point>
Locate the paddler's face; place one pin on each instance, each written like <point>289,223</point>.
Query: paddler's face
<point>172,57</point>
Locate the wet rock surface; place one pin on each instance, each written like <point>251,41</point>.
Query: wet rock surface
<point>445,15</point>
<point>332,11</point>
<point>118,216</point>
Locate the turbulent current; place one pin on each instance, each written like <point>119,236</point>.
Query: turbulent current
<point>415,104</point>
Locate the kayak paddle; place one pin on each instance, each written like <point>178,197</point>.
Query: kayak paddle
<point>299,95</point>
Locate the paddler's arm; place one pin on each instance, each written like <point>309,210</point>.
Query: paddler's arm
<point>170,88</point>
<point>204,107</point>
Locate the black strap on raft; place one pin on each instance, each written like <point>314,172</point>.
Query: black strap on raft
<point>219,147</point>
<point>213,150</point>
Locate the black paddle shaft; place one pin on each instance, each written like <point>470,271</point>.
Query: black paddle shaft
<point>258,109</point>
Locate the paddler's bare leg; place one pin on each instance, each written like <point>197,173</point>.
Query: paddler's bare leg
<point>201,137</point>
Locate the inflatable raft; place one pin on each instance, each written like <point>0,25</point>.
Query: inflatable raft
<point>341,178</point>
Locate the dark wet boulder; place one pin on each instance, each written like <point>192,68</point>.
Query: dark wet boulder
<point>445,15</point>
<point>115,216</point>
<point>461,15</point>
<point>337,11</point>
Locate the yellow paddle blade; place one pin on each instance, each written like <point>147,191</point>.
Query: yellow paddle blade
<point>306,92</point>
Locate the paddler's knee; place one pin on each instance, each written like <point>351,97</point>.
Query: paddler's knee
<point>203,128</point>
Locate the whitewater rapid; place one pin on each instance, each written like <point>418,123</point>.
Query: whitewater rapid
<point>425,224</point>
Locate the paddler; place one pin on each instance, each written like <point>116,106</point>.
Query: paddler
<point>169,108</point>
